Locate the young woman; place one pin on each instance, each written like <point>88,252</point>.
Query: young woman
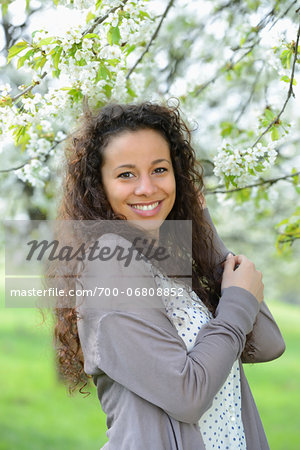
<point>168,368</point>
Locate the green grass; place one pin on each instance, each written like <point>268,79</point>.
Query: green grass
<point>276,385</point>
<point>36,412</point>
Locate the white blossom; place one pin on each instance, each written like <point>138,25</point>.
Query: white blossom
<point>5,89</point>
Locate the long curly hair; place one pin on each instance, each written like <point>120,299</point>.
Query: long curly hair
<point>84,198</point>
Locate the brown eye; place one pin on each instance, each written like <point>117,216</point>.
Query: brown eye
<point>160,170</point>
<point>125,175</point>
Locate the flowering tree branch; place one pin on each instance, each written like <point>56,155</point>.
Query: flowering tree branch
<point>270,181</point>
<point>288,239</point>
<point>28,89</point>
<point>89,30</point>
<point>103,18</point>
<point>284,13</point>
<point>170,4</point>
<point>290,93</point>
<point>11,169</point>
<point>229,65</point>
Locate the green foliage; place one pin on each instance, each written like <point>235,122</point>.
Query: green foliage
<point>16,49</point>
<point>274,133</point>
<point>4,6</point>
<point>275,385</point>
<point>235,62</point>
<point>103,72</point>
<point>229,129</point>
<point>26,352</point>
<point>287,79</point>
<point>113,35</point>
<point>286,57</point>
<point>288,230</point>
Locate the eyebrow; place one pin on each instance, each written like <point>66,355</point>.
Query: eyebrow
<point>132,166</point>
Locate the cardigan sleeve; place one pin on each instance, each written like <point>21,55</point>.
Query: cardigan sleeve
<point>155,365</point>
<point>131,339</point>
<point>266,342</point>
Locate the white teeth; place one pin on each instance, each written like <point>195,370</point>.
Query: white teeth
<point>146,207</point>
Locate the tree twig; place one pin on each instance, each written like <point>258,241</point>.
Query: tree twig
<point>229,65</point>
<point>286,241</point>
<point>103,18</point>
<point>290,93</point>
<point>170,4</point>
<point>270,181</point>
<point>12,169</point>
<point>89,30</point>
<point>283,14</point>
<point>251,94</point>
<point>28,89</point>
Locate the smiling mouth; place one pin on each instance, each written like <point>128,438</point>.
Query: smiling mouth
<point>145,207</point>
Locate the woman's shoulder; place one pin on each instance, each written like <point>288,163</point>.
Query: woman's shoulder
<point>112,251</point>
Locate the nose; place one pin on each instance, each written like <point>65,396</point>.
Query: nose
<point>145,186</point>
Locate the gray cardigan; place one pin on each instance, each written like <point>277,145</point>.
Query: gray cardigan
<point>151,388</point>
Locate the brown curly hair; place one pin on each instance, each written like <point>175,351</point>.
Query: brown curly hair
<point>84,199</point>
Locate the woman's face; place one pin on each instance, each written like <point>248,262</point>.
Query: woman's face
<point>138,176</point>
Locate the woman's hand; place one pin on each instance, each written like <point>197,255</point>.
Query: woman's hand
<point>245,276</point>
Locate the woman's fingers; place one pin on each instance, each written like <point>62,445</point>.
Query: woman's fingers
<point>241,272</point>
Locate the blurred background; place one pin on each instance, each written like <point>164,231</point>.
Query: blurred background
<point>230,64</point>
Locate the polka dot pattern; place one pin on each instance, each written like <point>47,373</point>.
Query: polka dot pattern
<point>221,425</point>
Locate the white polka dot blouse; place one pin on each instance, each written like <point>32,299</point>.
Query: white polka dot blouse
<point>221,425</point>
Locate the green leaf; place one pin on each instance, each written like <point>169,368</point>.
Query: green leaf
<point>113,35</point>
<point>143,14</point>
<point>283,222</point>
<point>103,73</point>
<point>285,78</point>
<point>274,134</point>
<point>5,101</point>
<point>90,17</point>
<point>260,167</point>
<point>113,62</point>
<point>76,94</point>
<point>22,59</point>
<point>107,89</point>
<point>130,91</point>
<point>227,181</point>
<point>15,49</point>
<point>91,36</point>
<point>130,49</point>
<point>46,41</point>
<point>56,73</point>
<point>4,7</point>
<point>285,58</point>
<point>296,178</point>
<point>19,132</point>
<point>227,128</point>
<point>39,62</point>
<point>232,180</point>
<point>56,56</point>
<point>269,114</point>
